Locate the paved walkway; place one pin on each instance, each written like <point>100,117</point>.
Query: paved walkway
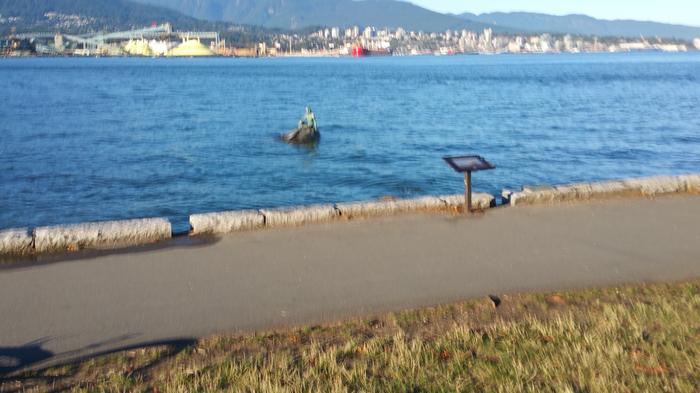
<point>257,280</point>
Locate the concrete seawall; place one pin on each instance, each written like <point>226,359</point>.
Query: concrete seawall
<point>480,201</point>
<point>116,234</point>
<point>647,186</point>
<point>74,237</point>
<point>354,210</point>
<point>444,203</point>
<point>243,220</point>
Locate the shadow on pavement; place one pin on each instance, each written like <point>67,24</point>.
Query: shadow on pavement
<point>13,359</point>
<point>23,367</point>
<point>23,262</point>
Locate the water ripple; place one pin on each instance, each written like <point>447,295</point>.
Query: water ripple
<point>94,139</point>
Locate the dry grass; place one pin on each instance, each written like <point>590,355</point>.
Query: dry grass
<point>643,338</point>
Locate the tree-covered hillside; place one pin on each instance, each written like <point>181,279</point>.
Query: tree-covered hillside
<point>83,16</point>
<point>585,25</point>
<point>87,15</point>
<point>303,13</point>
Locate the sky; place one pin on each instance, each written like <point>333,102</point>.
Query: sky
<point>686,12</point>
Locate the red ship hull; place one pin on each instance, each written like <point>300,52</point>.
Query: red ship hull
<point>358,51</point>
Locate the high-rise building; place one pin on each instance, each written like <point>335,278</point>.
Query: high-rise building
<point>486,40</point>
<point>568,43</point>
<point>488,35</point>
<point>399,34</point>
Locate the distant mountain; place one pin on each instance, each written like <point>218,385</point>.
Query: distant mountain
<point>584,25</point>
<point>85,15</point>
<point>303,13</point>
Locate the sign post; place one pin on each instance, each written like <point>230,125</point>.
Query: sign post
<point>467,165</point>
<point>468,191</point>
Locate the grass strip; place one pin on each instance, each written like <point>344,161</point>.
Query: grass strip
<point>632,338</point>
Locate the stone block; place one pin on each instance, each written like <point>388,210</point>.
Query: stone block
<point>480,201</point>
<point>101,235</point>
<point>226,222</point>
<point>295,216</point>
<point>16,241</point>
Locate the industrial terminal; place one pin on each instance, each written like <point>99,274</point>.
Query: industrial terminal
<point>154,41</point>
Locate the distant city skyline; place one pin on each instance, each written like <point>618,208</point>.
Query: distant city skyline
<point>684,12</point>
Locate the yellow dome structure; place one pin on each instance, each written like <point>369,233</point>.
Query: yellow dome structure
<point>138,48</point>
<point>190,48</point>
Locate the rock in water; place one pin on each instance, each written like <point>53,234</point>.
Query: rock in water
<point>301,136</point>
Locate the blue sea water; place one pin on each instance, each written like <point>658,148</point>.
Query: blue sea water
<point>96,139</point>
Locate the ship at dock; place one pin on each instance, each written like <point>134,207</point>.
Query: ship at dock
<point>360,51</point>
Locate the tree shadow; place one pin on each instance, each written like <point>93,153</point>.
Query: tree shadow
<point>30,365</point>
<point>13,359</point>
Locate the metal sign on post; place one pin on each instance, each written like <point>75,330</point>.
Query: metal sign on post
<point>467,165</point>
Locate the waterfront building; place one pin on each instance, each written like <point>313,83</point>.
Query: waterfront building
<point>516,45</point>
<point>671,47</point>
<point>486,41</point>
<point>488,35</point>
<point>568,43</point>
<point>58,43</point>
<point>558,45</point>
<point>545,46</point>
<point>632,46</point>
<point>5,47</point>
<point>400,33</point>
